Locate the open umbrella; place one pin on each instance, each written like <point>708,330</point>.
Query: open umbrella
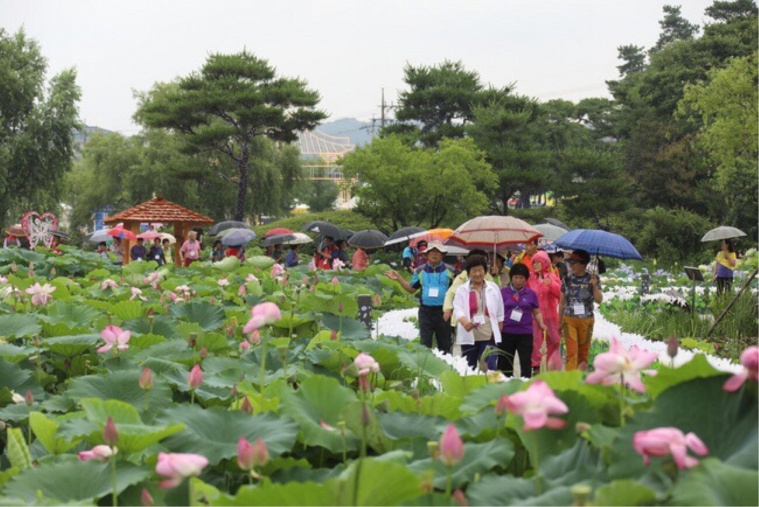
<point>368,239</point>
<point>430,235</point>
<point>236,237</point>
<point>550,232</point>
<point>299,239</point>
<point>120,232</point>
<point>404,234</point>
<point>722,232</point>
<point>326,229</point>
<point>223,226</point>
<point>277,231</point>
<point>277,239</point>
<point>493,232</point>
<point>557,223</point>
<point>16,230</point>
<point>60,235</point>
<point>597,242</point>
<point>149,235</point>
<point>166,235</point>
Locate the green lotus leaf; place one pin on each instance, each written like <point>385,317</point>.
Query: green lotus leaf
<point>214,432</point>
<point>321,399</point>
<point>209,316</point>
<point>62,329</point>
<point>70,346</point>
<point>123,386</point>
<point>15,353</point>
<point>73,481</point>
<point>350,328</point>
<point>45,429</point>
<point>716,483</point>
<point>376,482</point>
<point>73,314</point>
<point>162,326</point>
<point>292,493</point>
<point>128,310</point>
<point>629,492</point>
<point>19,325</point>
<point>19,379</point>
<point>698,367</point>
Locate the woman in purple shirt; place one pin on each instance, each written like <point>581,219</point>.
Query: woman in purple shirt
<point>520,304</point>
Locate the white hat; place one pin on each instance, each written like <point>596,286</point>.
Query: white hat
<point>435,245</point>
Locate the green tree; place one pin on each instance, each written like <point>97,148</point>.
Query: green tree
<point>674,27</point>
<point>400,185</point>
<point>633,57</point>
<point>728,108</point>
<point>37,125</point>
<point>319,195</point>
<point>226,107</point>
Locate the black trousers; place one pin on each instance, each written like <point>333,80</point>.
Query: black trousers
<point>431,324</point>
<point>521,345</point>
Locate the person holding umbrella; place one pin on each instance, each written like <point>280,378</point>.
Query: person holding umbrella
<point>117,248</point>
<point>433,278</point>
<point>724,266</point>
<point>578,293</point>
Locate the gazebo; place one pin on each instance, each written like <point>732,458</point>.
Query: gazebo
<point>159,210</point>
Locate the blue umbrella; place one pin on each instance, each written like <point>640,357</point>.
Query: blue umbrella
<point>237,237</point>
<point>599,243</point>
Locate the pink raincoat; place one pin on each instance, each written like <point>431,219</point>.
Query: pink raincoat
<point>548,288</point>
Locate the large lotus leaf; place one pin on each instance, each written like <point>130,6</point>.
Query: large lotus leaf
<point>73,314</point>
<point>19,325</point>
<point>214,432</point>
<point>20,256</point>
<point>134,436</point>
<point>698,367</point>
<point>365,423</point>
<point>46,428</point>
<point>387,356</point>
<point>716,483</point>
<point>411,432</point>
<point>439,404</point>
<point>224,372</point>
<point>206,391</point>
<point>479,459</point>
<point>292,493</point>
<point>320,399</point>
<point>63,329</point>
<point>351,328</point>
<point>485,397</point>
<point>124,386</point>
<point>162,326</point>
<point>627,492</point>
<point>144,341</point>
<point>14,353</point>
<point>422,361</point>
<point>209,316</point>
<point>128,310</point>
<point>726,422</point>
<point>72,481</point>
<point>460,386</point>
<point>603,398</point>
<point>64,287</point>
<point>375,482</point>
<point>20,380</point>
<point>70,346</point>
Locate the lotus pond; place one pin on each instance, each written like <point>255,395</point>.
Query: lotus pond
<point>238,384</point>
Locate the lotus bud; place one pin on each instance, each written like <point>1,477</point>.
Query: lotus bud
<point>204,352</point>
<point>146,498</point>
<point>460,498</point>
<point>340,307</point>
<point>193,339</point>
<point>195,378</point>
<point>212,300</point>
<point>31,273</point>
<point>244,346</point>
<point>377,301</point>
<point>260,453</point>
<point>233,391</point>
<point>29,398</point>
<point>146,379</point>
<point>580,492</point>
<point>110,433</point>
<point>246,406</point>
<point>333,335</point>
<point>52,271</point>
<point>255,337</point>
<point>335,281</point>
<point>581,427</point>
<point>672,346</point>
<point>451,446</point>
<point>242,290</point>
<point>14,268</point>
<point>244,454</point>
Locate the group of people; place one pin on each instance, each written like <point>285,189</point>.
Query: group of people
<point>501,312</point>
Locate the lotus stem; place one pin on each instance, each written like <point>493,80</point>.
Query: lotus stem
<point>114,482</point>
<point>622,400</point>
<point>263,369</point>
<point>449,481</point>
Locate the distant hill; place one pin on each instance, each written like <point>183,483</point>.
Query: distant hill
<point>359,132</point>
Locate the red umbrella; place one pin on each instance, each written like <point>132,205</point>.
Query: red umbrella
<point>277,231</point>
<point>120,232</point>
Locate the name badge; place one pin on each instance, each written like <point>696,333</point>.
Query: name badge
<point>478,319</point>
<point>516,315</point>
<point>193,254</point>
<point>433,292</point>
<point>157,257</point>
<point>578,309</point>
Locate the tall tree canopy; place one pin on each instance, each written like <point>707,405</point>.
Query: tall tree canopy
<point>400,185</point>
<point>233,101</point>
<point>37,125</point>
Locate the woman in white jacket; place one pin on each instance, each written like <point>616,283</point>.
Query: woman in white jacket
<point>478,310</point>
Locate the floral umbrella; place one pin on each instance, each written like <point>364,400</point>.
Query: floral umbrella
<point>493,232</point>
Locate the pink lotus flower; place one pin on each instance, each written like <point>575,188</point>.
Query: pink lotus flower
<point>312,265</point>
<point>195,378</point>
<point>750,361</point>
<point>40,293</point>
<point>251,278</point>
<point>534,405</point>
<point>255,337</point>
<point>99,453</point>
<point>337,264</point>
<point>335,281</point>
<point>244,346</point>
<point>277,270</point>
<point>223,282</point>
<point>619,364</point>
<point>250,456</point>
<point>366,364</point>
<point>261,315</point>
<point>137,293</point>
<point>245,406</point>
<point>146,498</point>
<point>173,297</point>
<point>242,290</point>
<point>668,440</point>
<point>3,279</point>
<point>451,446</point>
<point>326,426</point>
<point>114,336</point>
<point>108,283</point>
<point>177,466</point>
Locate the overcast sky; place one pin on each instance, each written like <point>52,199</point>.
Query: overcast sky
<point>348,50</point>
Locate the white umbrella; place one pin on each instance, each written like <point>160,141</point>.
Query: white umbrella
<point>166,235</point>
<point>98,236</point>
<point>722,232</point>
<point>300,239</point>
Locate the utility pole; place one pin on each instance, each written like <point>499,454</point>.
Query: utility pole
<point>382,117</point>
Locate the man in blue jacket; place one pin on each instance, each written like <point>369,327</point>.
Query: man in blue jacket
<point>433,278</point>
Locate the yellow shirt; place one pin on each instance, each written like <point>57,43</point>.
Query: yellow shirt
<point>721,259</point>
